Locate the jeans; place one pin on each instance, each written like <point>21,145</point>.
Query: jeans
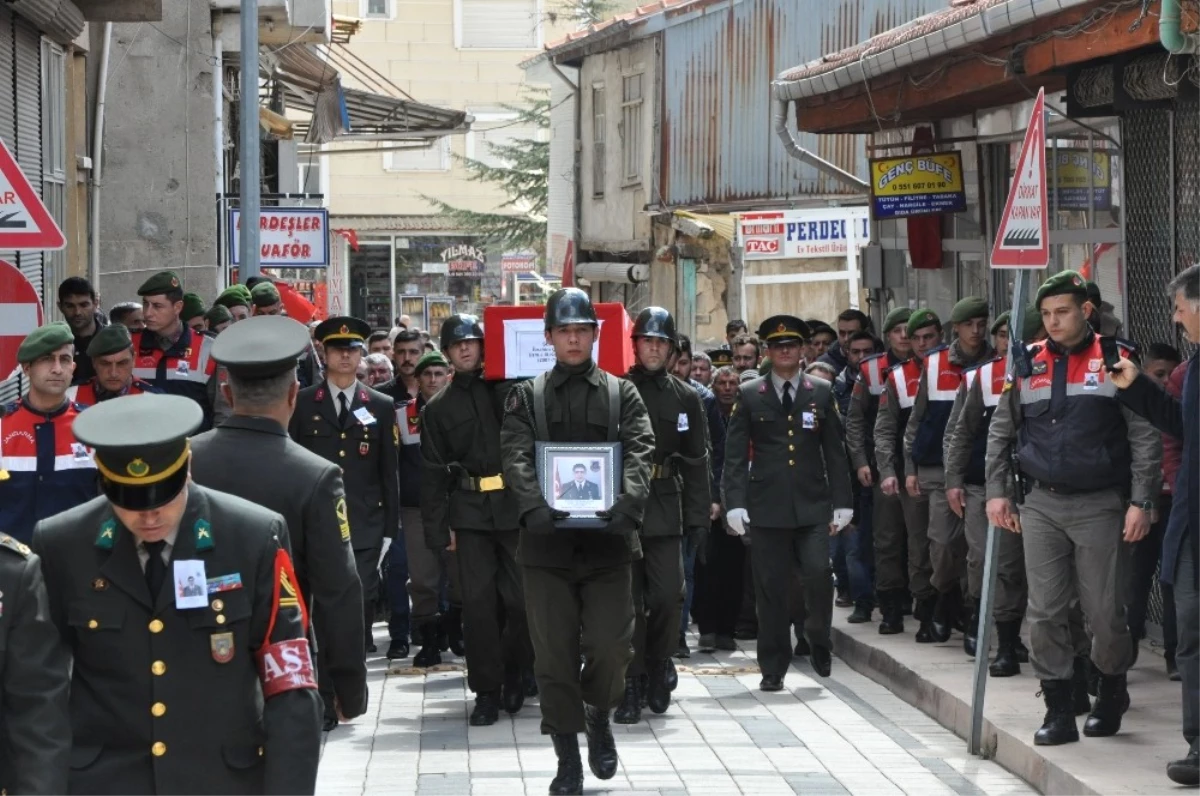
<point>1187,653</point>
<point>1146,556</point>
<point>397,590</point>
<point>689,580</point>
<point>859,543</point>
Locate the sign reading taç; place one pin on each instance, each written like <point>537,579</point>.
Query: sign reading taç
<point>803,234</point>
<point>289,237</point>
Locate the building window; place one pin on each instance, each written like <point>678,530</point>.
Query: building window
<point>54,150</point>
<point>435,157</point>
<point>631,128</point>
<point>598,117</point>
<point>497,24</point>
<point>377,9</point>
<point>311,177</point>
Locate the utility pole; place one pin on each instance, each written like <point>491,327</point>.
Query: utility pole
<point>248,149</point>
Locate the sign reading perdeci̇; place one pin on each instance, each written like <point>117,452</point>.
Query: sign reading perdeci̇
<point>917,185</point>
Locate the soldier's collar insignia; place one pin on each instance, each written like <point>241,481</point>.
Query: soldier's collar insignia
<point>99,584</point>
<point>320,396</point>
<point>204,539</point>
<point>108,534</point>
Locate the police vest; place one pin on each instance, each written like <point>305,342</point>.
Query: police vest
<point>904,377</point>
<point>43,469</point>
<point>183,369</point>
<point>1073,435</point>
<point>942,378</point>
<point>990,376</point>
<point>873,372</point>
<point>87,394</point>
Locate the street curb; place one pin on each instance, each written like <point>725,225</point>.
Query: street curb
<point>1014,754</point>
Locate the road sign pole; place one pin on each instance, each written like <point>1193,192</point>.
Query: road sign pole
<point>250,158</point>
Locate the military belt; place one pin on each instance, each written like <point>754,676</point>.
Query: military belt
<point>1061,489</point>
<point>664,470</point>
<point>487,483</point>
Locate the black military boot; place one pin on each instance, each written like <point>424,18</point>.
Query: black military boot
<point>643,690</point>
<point>658,690</point>
<point>452,632</point>
<point>923,613</point>
<point>568,780</point>
<point>630,709</point>
<point>1006,663</point>
<point>602,749</point>
<point>971,632</point>
<point>891,610</point>
<point>945,614</point>
<point>861,613</point>
<point>486,712</point>
<point>1111,704</point>
<point>1022,650</point>
<point>512,692</point>
<point>1059,726</point>
<point>529,683</point>
<point>428,656</point>
<point>1079,685</point>
<point>670,674</point>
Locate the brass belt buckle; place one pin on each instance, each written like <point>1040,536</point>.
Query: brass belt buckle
<point>491,483</point>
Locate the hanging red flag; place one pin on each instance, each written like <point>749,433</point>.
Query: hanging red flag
<point>568,273</point>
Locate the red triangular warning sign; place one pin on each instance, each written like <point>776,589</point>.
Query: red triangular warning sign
<point>24,221</point>
<point>1023,237</point>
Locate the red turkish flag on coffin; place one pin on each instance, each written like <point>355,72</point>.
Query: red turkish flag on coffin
<point>515,346</point>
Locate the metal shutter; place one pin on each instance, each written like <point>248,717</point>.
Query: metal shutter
<point>27,69</point>
<point>499,24</point>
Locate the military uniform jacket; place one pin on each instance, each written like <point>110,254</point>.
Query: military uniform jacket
<point>577,411</point>
<point>679,479</point>
<point>895,405</point>
<point>941,375</point>
<point>966,431</point>
<point>864,408</point>
<point>799,472</point>
<point>252,457</point>
<point>366,449</point>
<point>89,392</point>
<point>167,700</point>
<point>35,734</point>
<point>184,368</point>
<point>460,444</point>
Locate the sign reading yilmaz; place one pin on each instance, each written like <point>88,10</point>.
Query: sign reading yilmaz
<point>916,185</point>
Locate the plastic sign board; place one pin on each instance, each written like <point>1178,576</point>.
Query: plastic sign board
<point>803,234</point>
<point>917,185</point>
<point>25,223</point>
<point>1023,237</point>
<point>20,314</point>
<point>288,237</point>
<point>1082,179</point>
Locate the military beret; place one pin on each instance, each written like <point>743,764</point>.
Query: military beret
<point>44,340</point>
<point>429,360</point>
<point>898,316</point>
<point>234,296</point>
<point>261,347</point>
<point>1001,320</point>
<point>922,318</point>
<point>1093,292</point>
<point>968,309</point>
<point>264,294</point>
<point>162,282</point>
<point>217,315</point>
<point>110,339</point>
<point>344,331</point>
<point>1031,324</point>
<point>193,306</point>
<point>1064,283</point>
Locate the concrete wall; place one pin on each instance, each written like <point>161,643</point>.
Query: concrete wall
<point>560,211</point>
<point>157,197</point>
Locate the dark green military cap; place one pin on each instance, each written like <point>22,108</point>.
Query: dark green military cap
<point>344,331</point>
<point>261,347</point>
<point>1064,283</point>
<point>234,296</point>
<point>217,315</point>
<point>110,339</point>
<point>816,327</point>
<point>1093,293</point>
<point>193,306</point>
<point>44,340</point>
<point>1031,324</point>
<point>720,357</point>
<point>895,318</point>
<point>1001,320</point>
<point>431,359</point>
<point>969,309</point>
<point>922,318</point>
<point>140,446</point>
<point>162,282</point>
<point>264,294</point>
<point>783,327</point>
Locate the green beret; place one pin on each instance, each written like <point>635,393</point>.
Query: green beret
<point>432,358</point>
<point>895,318</point>
<point>922,318</point>
<point>1002,320</point>
<point>264,294</point>
<point>218,315</point>
<point>1031,324</point>
<point>234,296</point>
<point>162,282</point>
<point>44,340</point>
<point>1064,283</point>
<point>193,306</point>
<point>968,309</point>
<point>110,340</point>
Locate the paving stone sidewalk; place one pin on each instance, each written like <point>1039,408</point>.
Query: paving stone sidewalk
<point>843,734</point>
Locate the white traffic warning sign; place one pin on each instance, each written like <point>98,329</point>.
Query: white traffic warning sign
<point>25,224</point>
<point>1023,237</point>
<point>20,314</point>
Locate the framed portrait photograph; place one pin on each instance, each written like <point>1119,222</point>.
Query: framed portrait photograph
<point>580,479</point>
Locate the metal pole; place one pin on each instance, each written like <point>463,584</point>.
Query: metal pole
<point>248,150</point>
<point>991,556</point>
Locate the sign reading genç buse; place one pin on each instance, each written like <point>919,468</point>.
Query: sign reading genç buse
<point>289,237</point>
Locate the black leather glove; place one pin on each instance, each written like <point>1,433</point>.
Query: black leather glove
<point>539,521</point>
<point>698,537</point>
<point>618,522</point>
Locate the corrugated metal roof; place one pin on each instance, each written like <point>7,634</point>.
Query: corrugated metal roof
<point>391,223</point>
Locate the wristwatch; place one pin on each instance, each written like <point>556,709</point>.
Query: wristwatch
<point>1144,505</point>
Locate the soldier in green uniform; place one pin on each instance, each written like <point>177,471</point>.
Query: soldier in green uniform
<point>170,694</point>
<point>679,503</point>
<point>787,477</point>
<point>465,507</point>
<point>578,583</point>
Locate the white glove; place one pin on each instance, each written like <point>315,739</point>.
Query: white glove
<point>842,517</point>
<point>737,519</point>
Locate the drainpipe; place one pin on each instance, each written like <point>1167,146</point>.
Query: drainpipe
<point>218,89</point>
<point>98,153</point>
<point>780,120</point>
<point>1174,40</point>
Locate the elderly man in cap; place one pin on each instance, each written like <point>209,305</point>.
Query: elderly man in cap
<point>111,354</point>
<point>792,498</point>
<point>193,312</point>
<point>251,456</point>
<point>266,299</point>
<point>43,468</point>
<point>170,696</point>
<point>237,299</point>
<point>168,353</point>
<point>348,423</point>
<point>1092,469</point>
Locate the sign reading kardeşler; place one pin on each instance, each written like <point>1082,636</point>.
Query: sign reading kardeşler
<point>289,237</point>
<point>916,185</point>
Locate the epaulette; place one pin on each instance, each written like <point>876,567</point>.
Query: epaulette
<point>12,544</point>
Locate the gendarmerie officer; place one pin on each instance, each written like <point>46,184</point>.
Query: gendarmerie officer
<point>679,503</point>
<point>168,696</point>
<point>794,494</point>
<point>466,507</point>
<point>1094,469</point>
<point>111,356</point>
<point>34,679</point>
<point>251,456</point>
<point>346,422</point>
<point>577,583</point>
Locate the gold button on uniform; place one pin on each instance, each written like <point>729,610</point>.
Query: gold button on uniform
<point>158,668</point>
<point>218,605</point>
<point>156,626</point>
<point>158,709</point>
<point>93,624</point>
<point>159,749</point>
<point>791,447</point>
<point>220,619</point>
<point>343,435</point>
<point>342,454</point>
<point>791,433</point>
<point>791,463</point>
